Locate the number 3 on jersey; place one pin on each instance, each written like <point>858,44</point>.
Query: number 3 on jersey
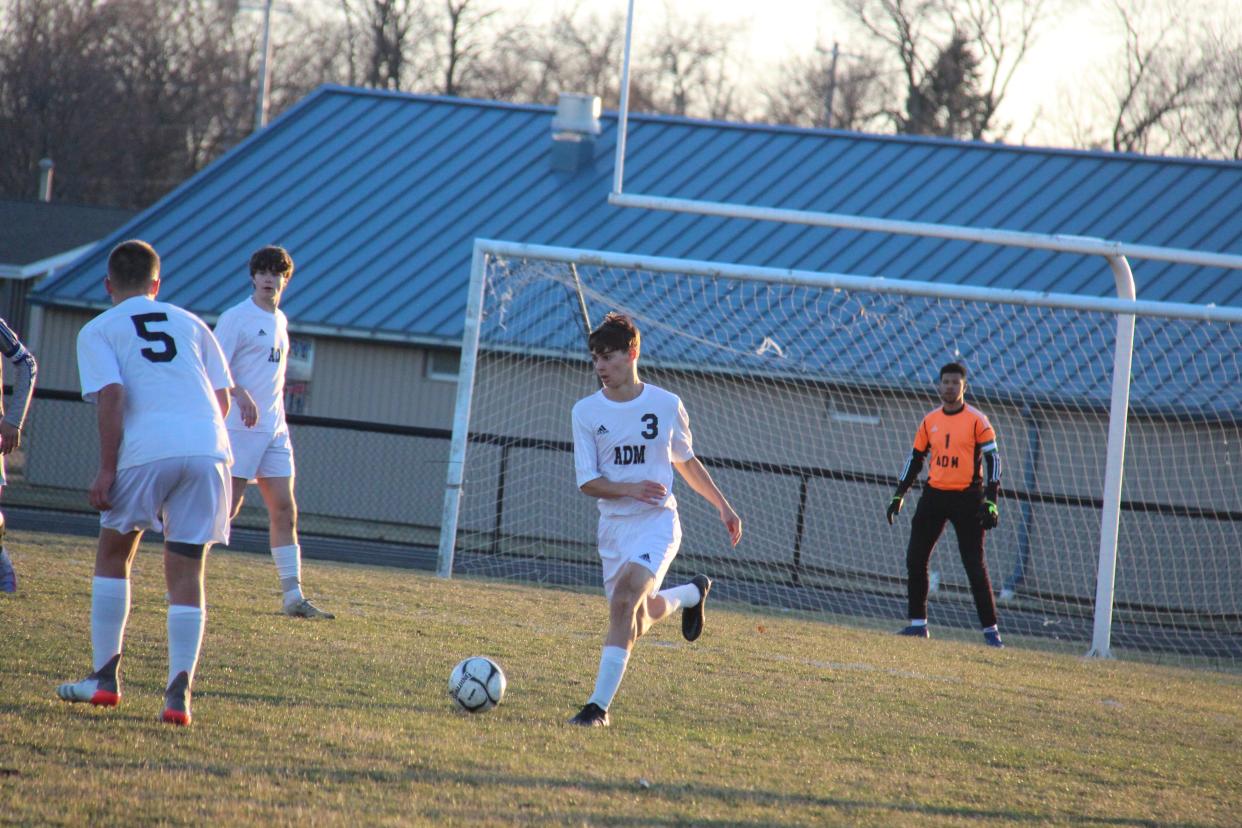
<point>653,426</point>
<point>141,322</point>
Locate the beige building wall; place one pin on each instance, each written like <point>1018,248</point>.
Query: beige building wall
<point>864,435</point>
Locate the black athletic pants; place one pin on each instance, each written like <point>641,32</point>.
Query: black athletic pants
<point>937,506</point>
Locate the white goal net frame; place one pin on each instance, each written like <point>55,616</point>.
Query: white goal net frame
<point>494,329</point>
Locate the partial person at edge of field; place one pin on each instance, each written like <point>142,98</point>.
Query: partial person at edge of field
<point>11,429</point>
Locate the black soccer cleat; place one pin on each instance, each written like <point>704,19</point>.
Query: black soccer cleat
<point>591,715</point>
<point>915,631</point>
<point>692,617</point>
<point>177,701</point>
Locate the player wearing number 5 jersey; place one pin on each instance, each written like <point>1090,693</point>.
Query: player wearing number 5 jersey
<point>962,487</point>
<point>628,438</point>
<point>161,384</point>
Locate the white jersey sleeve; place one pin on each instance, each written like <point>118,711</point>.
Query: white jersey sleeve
<point>586,456</point>
<point>214,360</point>
<point>228,329</point>
<point>97,363</point>
<point>681,447</point>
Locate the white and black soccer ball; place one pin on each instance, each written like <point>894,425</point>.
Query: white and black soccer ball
<point>477,684</point>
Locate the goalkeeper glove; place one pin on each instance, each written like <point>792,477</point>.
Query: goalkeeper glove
<point>894,506</point>
<point>989,516</point>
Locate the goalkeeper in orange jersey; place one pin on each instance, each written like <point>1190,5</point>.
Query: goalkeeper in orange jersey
<point>963,483</point>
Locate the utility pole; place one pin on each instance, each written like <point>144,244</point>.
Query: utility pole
<point>265,62</point>
<point>832,85</point>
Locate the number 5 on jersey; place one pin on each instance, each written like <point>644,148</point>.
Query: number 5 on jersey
<point>141,322</point>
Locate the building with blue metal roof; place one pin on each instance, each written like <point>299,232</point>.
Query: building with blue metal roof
<point>380,195</point>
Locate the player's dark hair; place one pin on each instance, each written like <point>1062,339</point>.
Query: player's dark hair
<point>953,368</point>
<point>271,259</point>
<point>616,333</point>
<point>133,264</point>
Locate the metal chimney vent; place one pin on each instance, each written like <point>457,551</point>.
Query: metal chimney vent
<point>576,113</point>
<point>573,131</point>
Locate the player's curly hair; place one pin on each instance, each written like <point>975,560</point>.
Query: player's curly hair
<point>616,333</point>
<point>132,264</point>
<point>271,259</point>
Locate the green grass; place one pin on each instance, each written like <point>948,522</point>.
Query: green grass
<point>766,720</point>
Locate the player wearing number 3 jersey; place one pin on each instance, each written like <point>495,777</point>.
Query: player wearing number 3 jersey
<point>962,487</point>
<point>628,438</point>
<point>161,384</point>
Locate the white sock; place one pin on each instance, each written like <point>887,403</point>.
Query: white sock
<point>109,612</point>
<point>686,595</point>
<point>918,622</point>
<point>612,663</point>
<point>288,561</point>
<point>991,629</point>
<point>185,637</point>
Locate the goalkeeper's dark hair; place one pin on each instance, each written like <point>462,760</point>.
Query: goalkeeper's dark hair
<point>133,264</point>
<point>953,368</point>
<point>616,333</point>
<point>271,259</point>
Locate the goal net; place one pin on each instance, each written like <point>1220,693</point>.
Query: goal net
<point>803,401</point>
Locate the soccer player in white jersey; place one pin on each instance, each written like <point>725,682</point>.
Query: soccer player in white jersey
<point>628,438</point>
<point>161,384</point>
<point>11,428</point>
<point>255,339</point>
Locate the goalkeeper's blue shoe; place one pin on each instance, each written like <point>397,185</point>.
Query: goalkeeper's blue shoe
<point>8,575</point>
<point>992,639</point>
<point>915,631</point>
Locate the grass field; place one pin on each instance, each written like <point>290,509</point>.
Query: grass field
<point>766,720</point>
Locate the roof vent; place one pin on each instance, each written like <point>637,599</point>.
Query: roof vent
<point>45,179</point>
<point>573,131</point>
<point>577,114</point>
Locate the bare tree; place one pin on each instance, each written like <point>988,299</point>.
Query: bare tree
<point>690,67</point>
<point>128,97</point>
<point>1178,89</point>
<point>929,43</point>
<point>806,84</point>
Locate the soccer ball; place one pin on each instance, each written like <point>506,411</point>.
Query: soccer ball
<point>477,684</point>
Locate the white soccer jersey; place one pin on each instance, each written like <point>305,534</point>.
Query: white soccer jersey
<point>628,442</point>
<point>170,366</point>
<point>256,345</point>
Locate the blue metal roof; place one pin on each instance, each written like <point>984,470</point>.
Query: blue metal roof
<point>379,196</point>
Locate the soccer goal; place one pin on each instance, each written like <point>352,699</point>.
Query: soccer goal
<point>804,391</point>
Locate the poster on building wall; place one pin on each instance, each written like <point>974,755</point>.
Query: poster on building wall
<point>298,372</point>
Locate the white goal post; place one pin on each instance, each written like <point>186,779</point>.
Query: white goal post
<point>804,390</point>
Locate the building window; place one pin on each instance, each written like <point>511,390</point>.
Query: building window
<point>443,365</point>
<point>846,408</point>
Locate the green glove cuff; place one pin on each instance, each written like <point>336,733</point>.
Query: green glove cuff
<point>991,507</point>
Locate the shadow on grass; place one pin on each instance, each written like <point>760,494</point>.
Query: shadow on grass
<point>685,797</point>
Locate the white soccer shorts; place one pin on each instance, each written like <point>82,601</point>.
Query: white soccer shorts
<point>650,539</point>
<point>186,498</point>
<point>261,454</point>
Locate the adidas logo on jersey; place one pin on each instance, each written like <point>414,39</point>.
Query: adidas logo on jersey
<point>645,557</point>
<point>261,332</point>
<point>601,430</point>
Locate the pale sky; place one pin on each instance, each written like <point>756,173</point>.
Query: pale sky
<point>1041,98</point>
